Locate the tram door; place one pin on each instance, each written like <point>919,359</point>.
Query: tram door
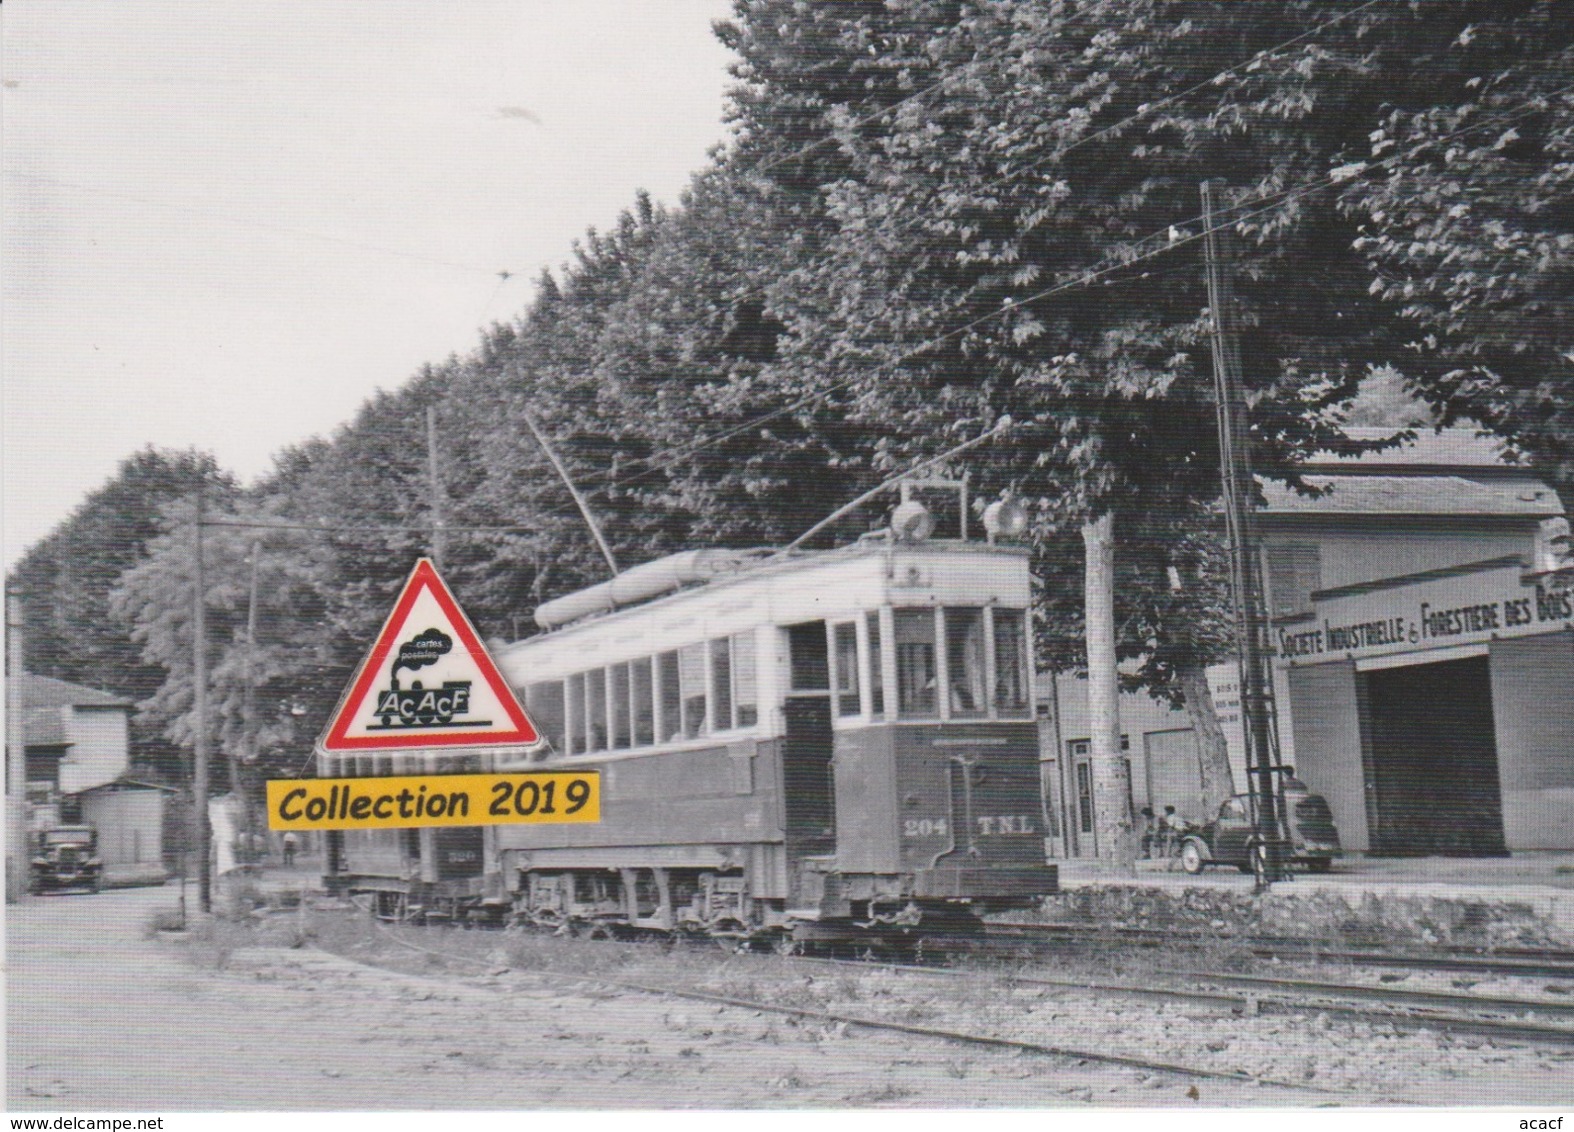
<point>807,776</point>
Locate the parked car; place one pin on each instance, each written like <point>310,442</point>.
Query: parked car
<point>67,857</point>
<point>1232,838</point>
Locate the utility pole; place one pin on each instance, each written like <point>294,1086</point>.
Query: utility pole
<point>1236,473</point>
<point>426,837</point>
<point>435,488</point>
<point>248,756</point>
<point>18,857</point>
<point>199,665</point>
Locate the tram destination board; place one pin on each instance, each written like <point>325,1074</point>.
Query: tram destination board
<point>414,801</point>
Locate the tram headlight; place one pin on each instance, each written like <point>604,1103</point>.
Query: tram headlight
<point>1005,518</point>
<point>911,521</point>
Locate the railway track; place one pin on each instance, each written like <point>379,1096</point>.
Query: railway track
<point>1177,1069</point>
<point>1535,962</point>
<point>1402,1009</point>
<point>1220,996</point>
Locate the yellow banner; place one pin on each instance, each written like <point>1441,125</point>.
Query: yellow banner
<point>434,799</point>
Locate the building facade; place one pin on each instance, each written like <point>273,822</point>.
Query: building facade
<point>1422,608</point>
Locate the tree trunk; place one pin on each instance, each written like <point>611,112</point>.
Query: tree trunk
<point>1113,829</point>
<point>1213,750</point>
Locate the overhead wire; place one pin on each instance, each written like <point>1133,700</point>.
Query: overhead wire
<point>284,229</point>
<point>1142,112</point>
<point>1266,203</point>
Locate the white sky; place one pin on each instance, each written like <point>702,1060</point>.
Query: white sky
<point>227,224</point>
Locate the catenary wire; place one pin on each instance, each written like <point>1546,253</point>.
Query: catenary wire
<point>1273,201</point>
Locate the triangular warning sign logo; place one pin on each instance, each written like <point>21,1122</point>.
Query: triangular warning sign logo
<point>427,682</point>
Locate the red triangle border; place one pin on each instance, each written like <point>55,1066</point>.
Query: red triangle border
<point>335,740</point>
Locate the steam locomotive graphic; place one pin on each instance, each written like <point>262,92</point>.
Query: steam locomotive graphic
<point>419,706</point>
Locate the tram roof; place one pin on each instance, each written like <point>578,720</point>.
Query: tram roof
<point>760,566</point>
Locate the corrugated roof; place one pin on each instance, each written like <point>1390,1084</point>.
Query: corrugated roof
<point>1415,495</point>
<point>40,691</point>
<point>1455,449</point>
<point>43,724</point>
<point>43,727</point>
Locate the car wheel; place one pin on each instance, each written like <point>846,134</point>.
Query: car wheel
<point>1191,857</point>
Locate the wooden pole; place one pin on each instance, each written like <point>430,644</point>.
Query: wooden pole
<point>18,852</point>
<point>199,678</point>
<point>435,488</point>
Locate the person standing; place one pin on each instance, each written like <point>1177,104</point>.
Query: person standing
<point>291,843</point>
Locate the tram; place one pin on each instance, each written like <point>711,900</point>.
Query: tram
<point>813,744</point>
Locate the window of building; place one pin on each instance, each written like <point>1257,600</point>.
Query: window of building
<point>846,647</point>
<point>964,634</point>
<point>1294,574</point>
<point>644,702</point>
<point>744,693</point>
<point>1011,667</point>
<point>876,671</point>
<point>915,662</point>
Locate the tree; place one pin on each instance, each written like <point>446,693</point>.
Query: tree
<point>266,692</point>
<point>990,259</point>
<point>67,578</point>
<point>1466,203</point>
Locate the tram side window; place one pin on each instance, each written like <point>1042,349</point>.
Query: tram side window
<point>876,673</point>
<point>915,662</point>
<point>691,676</point>
<point>596,708</point>
<point>670,696</point>
<point>544,703</point>
<point>964,635</point>
<point>721,682</point>
<point>744,695</point>
<point>622,736</point>
<point>847,669</point>
<point>1010,661</point>
<point>644,717</point>
<point>576,713</point>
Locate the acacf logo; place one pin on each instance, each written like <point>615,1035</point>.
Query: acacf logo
<point>418,706</point>
<point>427,683</point>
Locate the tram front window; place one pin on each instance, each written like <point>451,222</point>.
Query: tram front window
<point>1010,662</point>
<point>964,634</point>
<point>846,669</point>
<point>915,662</point>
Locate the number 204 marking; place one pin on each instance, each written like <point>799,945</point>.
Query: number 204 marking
<point>925,827</point>
<point>529,797</point>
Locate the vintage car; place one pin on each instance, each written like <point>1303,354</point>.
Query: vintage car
<point>1232,838</point>
<point>66,857</point>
